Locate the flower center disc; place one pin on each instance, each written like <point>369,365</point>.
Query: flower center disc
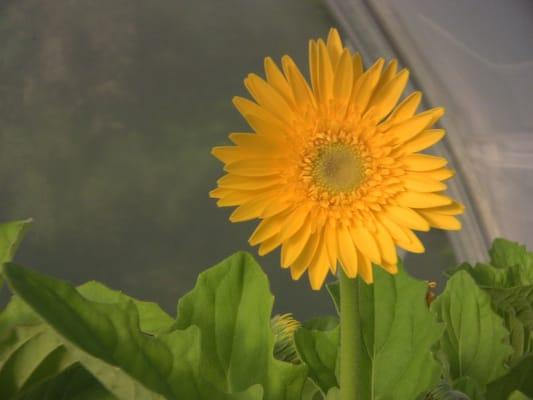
<point>338,168</point>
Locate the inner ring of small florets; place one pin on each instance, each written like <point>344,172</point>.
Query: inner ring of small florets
<point>338,168</point>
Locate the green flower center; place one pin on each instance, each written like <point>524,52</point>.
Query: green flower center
<point>338,168</point>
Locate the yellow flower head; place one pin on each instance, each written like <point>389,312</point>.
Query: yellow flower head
<point>332,170</point>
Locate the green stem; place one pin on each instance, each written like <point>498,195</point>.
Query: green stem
<point>351,339</point>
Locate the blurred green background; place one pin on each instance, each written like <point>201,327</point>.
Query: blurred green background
<point>108,112</point>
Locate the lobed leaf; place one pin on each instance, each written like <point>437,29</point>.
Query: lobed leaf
<point>231,305</point>
<point>475,341</point>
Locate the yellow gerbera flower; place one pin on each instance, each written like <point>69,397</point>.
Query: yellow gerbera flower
<point>333,170</point>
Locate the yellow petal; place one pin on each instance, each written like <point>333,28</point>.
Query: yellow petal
<point>393,228</point>
<point>343,77</point>
<point>325,73</point>
<point>390,268</point>
<point>422,183</point>
<point>409,128</point>
<point>268,245</point>
<point>423,162</point>
<point>228,154</point>
<point>438,112</point>
<point>346,251</point>
<point>260,144</point>
<point>422,200</point>
<point>318,268</point>
<point>366,243</point>
<point>277,80</point>
<point>365,86</point>
<point>313,67</point>
<point>414,245</point>
<point>268,97</point>
<point>405,110</point>
<point>407,217</point>
<point>357,67</point>
<point>388,73</point>
<point>294,222</point>
<point>330,238</point>
<point>302,93</point>
<point>255,167</point>
<point>441,221</point>
<point>233,197</point>
<point>365,268</point>
<point>250,210</point>
<point>293,247</point>
<point>424,140</point>
<point>454,208</point>
<point>278,204</point>
<point>267,228</point>
<point>334,46</point>
<point>247,107</point>
<point>249,183</point>
<point>386,245</point>
<point>299,265</point>
<point>219,193</point>
<point>386,97</point>
<point>441,174</point>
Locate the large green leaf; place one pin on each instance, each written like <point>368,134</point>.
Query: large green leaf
<point>31,352</point>
<point>475,342</point>
<point>318,349</point>
<point>509,282</point>
<point>75,383</point>
<point>520,377</point>
<point>152,319</point>
<point>11,234</point>
<point>107,340</point>
<point>231,304</point>
<point>398,333</point>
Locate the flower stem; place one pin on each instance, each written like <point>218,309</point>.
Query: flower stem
<point>351,339</point>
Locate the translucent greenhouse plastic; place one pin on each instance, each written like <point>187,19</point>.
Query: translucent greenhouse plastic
<point>476,59</point>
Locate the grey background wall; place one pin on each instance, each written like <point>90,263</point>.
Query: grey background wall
<point>108,111</point>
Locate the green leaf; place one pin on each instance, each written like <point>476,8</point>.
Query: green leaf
<point>475,342</point>
<point>152,319</point>
<point>488,276</point>
<point>515,305</point>
<point>30,352</point>
<point>471,387</point>
<point>11,234</point>
<point>518,378</point>
<point>443,391</point>
<point>505,253</point>
<point>322,323</point>
<point>333,394</point>
<point>517,395</point>
<point>311,392</point>
<point>74,383</point>
<point>398,332</point>
<point>231,304</point>
<point>318,349</point>
<point>107,340</point>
